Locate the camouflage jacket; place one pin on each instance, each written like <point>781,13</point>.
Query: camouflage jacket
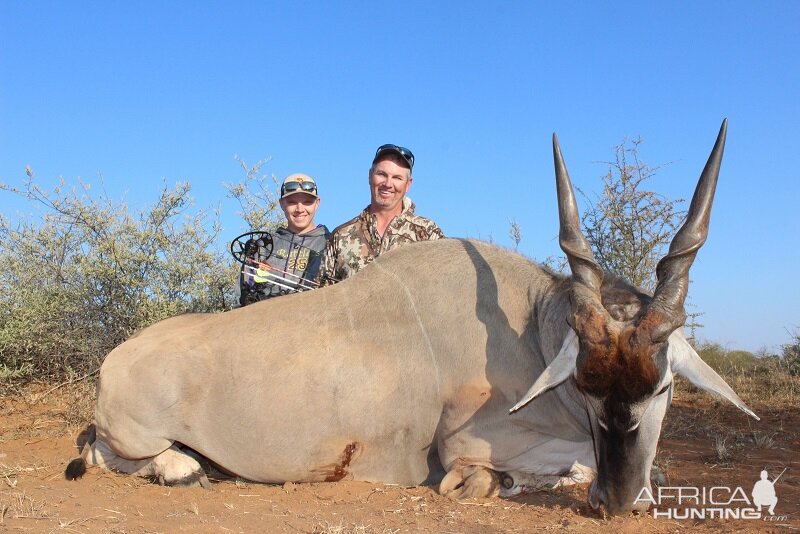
<point>357,242</point>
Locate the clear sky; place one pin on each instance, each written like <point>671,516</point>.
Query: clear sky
<point>146,92</point>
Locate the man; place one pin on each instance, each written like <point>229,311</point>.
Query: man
<point>387,223</point>
<point>295,258</point>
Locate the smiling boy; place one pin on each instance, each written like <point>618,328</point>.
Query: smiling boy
<point>297,248</point>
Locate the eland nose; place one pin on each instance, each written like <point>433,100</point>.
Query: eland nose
<point>597,497</point>
<point>602,502</point>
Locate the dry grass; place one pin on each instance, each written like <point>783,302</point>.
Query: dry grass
<point>732,437</point>
<point>326,527</point>
<point>767,380</point>
<point>80,402</point>
<point>723,449</point>
<point>764,385</point>
<point>8,473</point>
<point>39,409</point>
<point>773,387</point>
<point>763,440</point>
<point>18,504</point>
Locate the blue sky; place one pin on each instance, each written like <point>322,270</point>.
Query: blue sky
<point>147,92</point>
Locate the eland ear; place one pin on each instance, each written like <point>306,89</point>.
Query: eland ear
<point>559,370</point>
<point>685,361</point>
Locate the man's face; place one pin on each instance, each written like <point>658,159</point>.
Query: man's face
<point>300,209</point>
<point>389,182</point>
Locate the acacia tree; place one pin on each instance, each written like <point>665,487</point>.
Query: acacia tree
<point>257,195</point>
<point>515,232</point>
<point>627,226</point>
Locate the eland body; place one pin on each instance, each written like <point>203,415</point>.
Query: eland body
<point>421,365</point>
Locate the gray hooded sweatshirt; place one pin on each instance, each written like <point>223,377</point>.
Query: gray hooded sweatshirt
<point>295,262</point>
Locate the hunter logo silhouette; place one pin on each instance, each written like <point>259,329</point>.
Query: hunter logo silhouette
<point>764,492</point>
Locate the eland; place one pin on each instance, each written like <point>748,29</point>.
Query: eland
<point>450,361</point>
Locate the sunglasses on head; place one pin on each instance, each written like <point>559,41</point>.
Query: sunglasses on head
<point>291,187</point>
<point>404,152</point>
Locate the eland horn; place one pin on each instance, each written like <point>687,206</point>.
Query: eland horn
<point>587,276</point>
<point>672,271</point>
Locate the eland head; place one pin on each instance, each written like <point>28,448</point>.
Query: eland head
<point>624,346</point>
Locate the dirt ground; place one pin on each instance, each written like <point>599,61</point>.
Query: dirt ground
<point>704,444</point>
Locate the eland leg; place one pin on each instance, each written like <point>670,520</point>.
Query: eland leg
<point>171,467</point>
<point>516,482</point>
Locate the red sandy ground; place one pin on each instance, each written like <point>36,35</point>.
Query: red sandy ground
<point>37,441</point>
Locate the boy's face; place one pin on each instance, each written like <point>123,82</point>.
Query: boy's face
<point>300,209</point>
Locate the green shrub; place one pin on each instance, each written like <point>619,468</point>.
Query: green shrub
<point>89,273</point>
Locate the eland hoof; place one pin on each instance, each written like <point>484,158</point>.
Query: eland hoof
<point>466,482</point>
